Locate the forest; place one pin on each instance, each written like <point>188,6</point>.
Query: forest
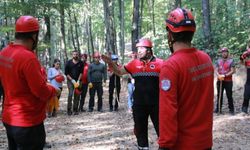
<point>116,25</point>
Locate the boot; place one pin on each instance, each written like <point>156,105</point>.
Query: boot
<point>244,110</point>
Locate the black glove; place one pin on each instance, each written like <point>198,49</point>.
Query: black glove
<point>161,148</point>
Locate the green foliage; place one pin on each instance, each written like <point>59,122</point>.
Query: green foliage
<point>230,21</point>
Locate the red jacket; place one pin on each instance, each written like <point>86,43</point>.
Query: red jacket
<point>85,74</point>
<point>186,101</point>
<point>26,91</point>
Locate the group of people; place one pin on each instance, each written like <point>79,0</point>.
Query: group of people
<point>225,68</point>
<point>177,94</point>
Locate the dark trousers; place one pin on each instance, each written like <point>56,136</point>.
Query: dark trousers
<point>228,86</point>
<point>75,100</point>
<point>97,87</point>
<point>25,138</point>
<point>83,96</point>
<point>140,115</point>
<point>246,97</point>
<point>117,95</point>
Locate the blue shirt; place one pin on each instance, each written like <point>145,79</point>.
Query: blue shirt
<point>52,73</point>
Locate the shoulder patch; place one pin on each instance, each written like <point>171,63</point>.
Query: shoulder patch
<point>165,84</point>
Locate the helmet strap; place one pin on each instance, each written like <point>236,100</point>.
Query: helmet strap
<point>35,41</point>
<point>170,41</point>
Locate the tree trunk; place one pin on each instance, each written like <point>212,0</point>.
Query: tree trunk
<point>63,42</point>
<point>178,3</point>
<point>47,38</point>
<point>135,27</point>
<point>77,35</point>
<point>71,30</point>
<point>152,12</point>
<point>206,24</point>
<point>140,20</point>
<point>110,39</point>
<point>121,33</point>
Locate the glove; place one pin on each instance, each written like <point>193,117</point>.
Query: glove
<point>104,83</point>
<point>90,85</point>
<point>76,85</point>
<point>221,77</point>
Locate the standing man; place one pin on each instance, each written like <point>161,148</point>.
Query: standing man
<point>84,79</point>
<point>245,59</point>
<point>225,68</point>
<point>97,73</point>
<point>186,89</point>
<point>26,91</point>
<point>73,71</point>
<point>145,70</point>
<point>114,84</point>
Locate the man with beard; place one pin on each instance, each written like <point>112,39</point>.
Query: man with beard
<point>26,91</point>
<point>225,68</point>
<point>97,73</point>
<point>73,71</point>
<point>186,89</point>
<point>145,70</point>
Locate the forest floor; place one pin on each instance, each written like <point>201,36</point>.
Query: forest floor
<point>114,130</point>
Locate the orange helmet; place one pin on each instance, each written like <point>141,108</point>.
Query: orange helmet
<point>180,20</point>
<point>59,78</point>
<point>144,43</point>
<point>27,24</point>
<point>224,49</point>
<point>96,55</point>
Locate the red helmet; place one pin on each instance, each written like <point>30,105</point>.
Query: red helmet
<point>27,24</point>
<point>59,78</point>
<point>144,43</point>
<point>77,91</point>
<point>96,55</point>
<point>224,49</point>
<point>180,20</point>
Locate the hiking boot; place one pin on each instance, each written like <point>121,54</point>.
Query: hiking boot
<point>90,110</point>
<point>116,109</point>
<point>47,145</point>
<point>69,113</point>
<point>100,110</point>
<point>110,109</point>
<point>54,114</point>
<point>231,112</point>
<point>244,110</point>
<point>75,113</point>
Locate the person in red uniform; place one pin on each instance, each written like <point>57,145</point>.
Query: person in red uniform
<point>186,89</point>
<point>225,68</point>
<point>245,59</point>
<point>84,80</point>
<point>26,91</point>
<point>145,70</point>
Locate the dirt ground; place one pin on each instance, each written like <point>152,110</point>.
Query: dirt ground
<point>114,130</point>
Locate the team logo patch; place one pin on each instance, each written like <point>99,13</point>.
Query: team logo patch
<point>152,66</point>
<point>165,84</point>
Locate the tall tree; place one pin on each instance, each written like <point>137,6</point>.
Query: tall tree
<point>206,24</point>
<point>121,33</point>
<point>110,42</point>
<point>135,24</point>
<point>63,41</point>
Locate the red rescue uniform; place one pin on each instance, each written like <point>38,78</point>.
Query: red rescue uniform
<point>186,101</point>
<point>26,91</point>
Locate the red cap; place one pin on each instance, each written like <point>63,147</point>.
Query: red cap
<point>27,24</point>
